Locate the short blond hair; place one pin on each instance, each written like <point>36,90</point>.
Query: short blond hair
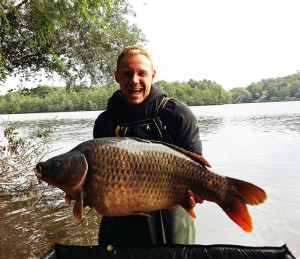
<point>133,50</point>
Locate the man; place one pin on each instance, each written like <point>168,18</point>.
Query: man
<point>141,109</point>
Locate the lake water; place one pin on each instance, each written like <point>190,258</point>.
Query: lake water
<point>259,143</point>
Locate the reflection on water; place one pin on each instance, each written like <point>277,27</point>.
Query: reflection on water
<point>28,231</point>
<point>208,125</point>
<point>259,143</point>
<point>278,123</point>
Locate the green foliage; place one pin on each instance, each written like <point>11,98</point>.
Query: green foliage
<point>81,98</point>
<point>193,93</point>
<point>78,39</point>
<point>54,99</point>
<point>269,90</point>
<point>196,92</point>
<point>19,155</point>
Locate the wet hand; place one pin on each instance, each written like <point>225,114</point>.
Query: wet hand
<point>194,198</point>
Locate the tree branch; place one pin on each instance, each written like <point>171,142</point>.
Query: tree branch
<point>20,4</point>
<point>21,61</point>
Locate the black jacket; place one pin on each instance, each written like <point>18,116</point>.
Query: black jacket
<point>179,123</point>
<point>179,127</point>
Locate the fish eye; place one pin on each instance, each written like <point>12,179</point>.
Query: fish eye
<point>56,164</point>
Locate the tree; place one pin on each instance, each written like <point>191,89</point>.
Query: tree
<point>283,94</point>
<point>234,93</point>
<point>244,97</point>
<point>272,89</point>
<point>294,88</point>
<point>78,39</point>
<point>255,89</point>
<point>192,83</point>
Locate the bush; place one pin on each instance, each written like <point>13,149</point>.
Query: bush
<point>19,155</point>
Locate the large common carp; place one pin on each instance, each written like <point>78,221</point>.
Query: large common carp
<point>125,176</point>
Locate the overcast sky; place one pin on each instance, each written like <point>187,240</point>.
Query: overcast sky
<point>231,42</point>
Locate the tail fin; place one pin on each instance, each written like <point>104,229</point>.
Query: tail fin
<point>240,194</point>
<point>252,194</point>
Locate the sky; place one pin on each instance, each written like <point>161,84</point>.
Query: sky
<point>230,42</point>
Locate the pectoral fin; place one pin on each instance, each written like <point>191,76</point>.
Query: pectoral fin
<point>78,208</point>
<point>67,200</point>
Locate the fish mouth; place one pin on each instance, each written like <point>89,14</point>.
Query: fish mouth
<point>37,170</point>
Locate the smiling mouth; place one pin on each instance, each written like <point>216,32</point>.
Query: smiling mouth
<point>135,91</point>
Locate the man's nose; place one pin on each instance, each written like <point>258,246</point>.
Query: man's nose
<point>135,78</point>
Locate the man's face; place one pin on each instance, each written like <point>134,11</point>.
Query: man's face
<point>135,76</point>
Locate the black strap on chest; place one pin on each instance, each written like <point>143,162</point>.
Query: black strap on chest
<point>123,128</point>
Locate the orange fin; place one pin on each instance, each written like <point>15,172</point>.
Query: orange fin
<point>238,212</point>
<point>67,200</point>
<point>250,193</point>
<point>241,193</point>
<point>191,213</point>
<point>78,208</point>
<point>194,156</point>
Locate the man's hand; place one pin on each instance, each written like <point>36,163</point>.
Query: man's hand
<point>194,198</point>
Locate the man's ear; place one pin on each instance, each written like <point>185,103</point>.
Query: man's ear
<point>153,75</point>
<point>116,76</point>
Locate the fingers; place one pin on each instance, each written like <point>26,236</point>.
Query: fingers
<point>198,199</point>
<point>192,202</point>
<point>194,198</point>
<point>191,198</point>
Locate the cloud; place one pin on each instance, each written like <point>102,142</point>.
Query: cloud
<point>231,42</point>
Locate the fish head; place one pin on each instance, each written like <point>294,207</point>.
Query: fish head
<point>67,171</point>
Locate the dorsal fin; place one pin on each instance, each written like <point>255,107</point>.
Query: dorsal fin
<point>192,155</point>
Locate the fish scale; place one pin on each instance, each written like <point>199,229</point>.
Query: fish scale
<point>124,176</point>
<point>167,179</point>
